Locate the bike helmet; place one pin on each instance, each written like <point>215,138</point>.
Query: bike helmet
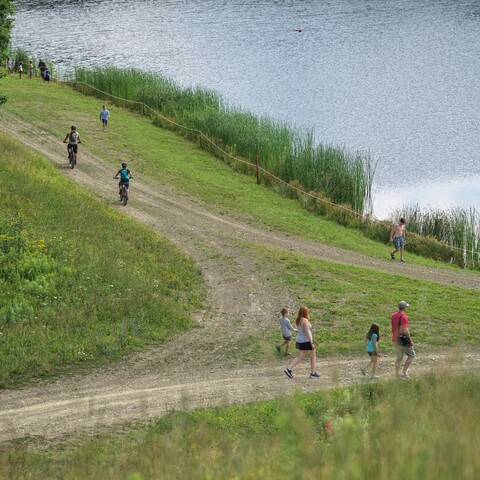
<point>74,127</point>
<point>124,164</point>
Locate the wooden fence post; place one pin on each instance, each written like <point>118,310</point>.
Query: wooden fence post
<point>256,164</point>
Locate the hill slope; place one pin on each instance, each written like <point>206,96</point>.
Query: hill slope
<point>220,362</point>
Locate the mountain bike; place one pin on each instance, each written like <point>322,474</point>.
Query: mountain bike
<point>123,194</point>
<point>72,157</point>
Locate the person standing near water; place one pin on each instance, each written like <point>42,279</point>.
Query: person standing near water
<point>42,66</point>
<point>397,236</point>
<point>304,344</point>
<point>30,69</point>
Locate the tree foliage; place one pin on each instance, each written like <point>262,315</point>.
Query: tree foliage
<point>6,24</point>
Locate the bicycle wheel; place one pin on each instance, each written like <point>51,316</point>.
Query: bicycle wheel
<point>71,158</point>
<point>125,196</point>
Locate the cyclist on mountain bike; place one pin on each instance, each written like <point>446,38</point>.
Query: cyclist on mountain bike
<point>73,139</point>
<point>125,176</point>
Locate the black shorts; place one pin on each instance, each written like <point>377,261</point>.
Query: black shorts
<point>287,339</point>
<point>372,354</point>
<point>73,146</point>
<point>304,346</point>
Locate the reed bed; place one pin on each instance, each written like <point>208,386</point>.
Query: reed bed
<point>344,177</point>
<point>456,227</point>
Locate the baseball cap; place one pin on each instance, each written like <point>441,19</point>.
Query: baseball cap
<point>403,304</point>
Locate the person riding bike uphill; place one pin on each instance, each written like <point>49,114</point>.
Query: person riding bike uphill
<point>73,139</point>
<point>125,176</point>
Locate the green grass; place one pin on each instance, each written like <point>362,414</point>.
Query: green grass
<point>167,158</point>
<point>421,429</point>
<point>284,151</point>
<point>345,300</point>
<point>90,285</point>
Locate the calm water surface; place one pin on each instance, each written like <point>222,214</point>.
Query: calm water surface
<point>396,78</point>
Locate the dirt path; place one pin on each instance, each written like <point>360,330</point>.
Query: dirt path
<point>146,385</point>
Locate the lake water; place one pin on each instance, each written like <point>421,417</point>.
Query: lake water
<point>399,79</point>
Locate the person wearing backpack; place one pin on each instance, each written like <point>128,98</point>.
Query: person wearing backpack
<point>73,139</point>
<point>125,176</point>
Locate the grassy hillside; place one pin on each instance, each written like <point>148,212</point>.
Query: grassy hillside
<point>79,282</point>
<point>168,158</point>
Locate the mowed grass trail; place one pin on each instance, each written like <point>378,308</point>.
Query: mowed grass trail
<point>168,158</point>
<point>78,281</point>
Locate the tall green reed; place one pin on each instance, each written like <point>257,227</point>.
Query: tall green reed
<point>284,151</point>
<point>457,227</point>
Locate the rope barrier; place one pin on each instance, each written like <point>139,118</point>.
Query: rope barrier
<point>237,159</point>
<point>246,162</point>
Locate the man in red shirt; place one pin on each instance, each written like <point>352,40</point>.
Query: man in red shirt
<point>402,340</point>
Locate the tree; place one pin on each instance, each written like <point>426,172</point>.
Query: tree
<point>6,23</point>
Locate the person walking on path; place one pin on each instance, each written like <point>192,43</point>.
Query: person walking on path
<point>104,116</point>
<point>30,69</point>
<point>402,340</point>
<point>397,236</point>
<point>372,338</point>
<point>304,343</point>
<point>287,329</point>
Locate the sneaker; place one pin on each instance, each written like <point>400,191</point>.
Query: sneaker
<point>404,375</point>
<point>287,354</point>
<point>363,371</point>
<point>278,348</point>
<point>392,256</point>
<point>374,377</point>
<point>288,373</point>
<point>314,375</point>
<point>402,260</point>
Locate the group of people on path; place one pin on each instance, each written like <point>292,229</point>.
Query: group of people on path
<point>401,340</point>
<point>44,71</point>
<point>72,139</point>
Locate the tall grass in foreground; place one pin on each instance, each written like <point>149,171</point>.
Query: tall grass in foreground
<point>420,429</point>
<point>343,177</point>
<point>457,227</point>
<point>79,282</point>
